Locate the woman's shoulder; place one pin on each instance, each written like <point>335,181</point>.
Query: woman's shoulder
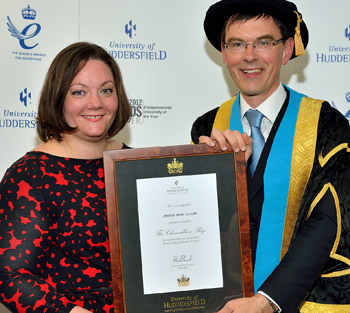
<point>28,163</point>
<point>29,158</point>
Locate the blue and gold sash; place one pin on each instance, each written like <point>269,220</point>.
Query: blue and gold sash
<point>284,178</point>
<point>276,187</point>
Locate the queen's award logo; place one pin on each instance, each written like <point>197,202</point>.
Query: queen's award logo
<point>28,32</point>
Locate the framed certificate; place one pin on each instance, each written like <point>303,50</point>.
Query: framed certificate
<point>178,223</point>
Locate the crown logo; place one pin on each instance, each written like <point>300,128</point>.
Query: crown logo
<point>28,13</point>
<point>183,281</point>
<point>175,167</point>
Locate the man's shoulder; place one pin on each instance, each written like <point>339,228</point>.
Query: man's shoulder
<point>332,117</point>
<point>329,117</point>
<point>203,125</point>
<point>212,113</point>
<point>333,125</point>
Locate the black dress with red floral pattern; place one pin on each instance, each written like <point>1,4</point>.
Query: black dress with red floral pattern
<point>54,250</point>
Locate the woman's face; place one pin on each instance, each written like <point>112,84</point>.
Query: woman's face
<point>91,102</point>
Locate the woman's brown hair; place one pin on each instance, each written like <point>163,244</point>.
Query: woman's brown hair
<point>63,69</point>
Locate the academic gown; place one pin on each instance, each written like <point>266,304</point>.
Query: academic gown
<point>295,283</point>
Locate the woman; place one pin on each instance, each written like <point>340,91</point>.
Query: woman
<point>54,252</point>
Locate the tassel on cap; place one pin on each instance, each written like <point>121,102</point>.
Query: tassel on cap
<point>299,46</point>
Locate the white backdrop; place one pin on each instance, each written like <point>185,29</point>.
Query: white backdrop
<point>171,73</point>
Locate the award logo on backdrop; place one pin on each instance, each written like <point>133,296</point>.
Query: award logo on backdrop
<point>18,112</point>
<point>347,97</point>
<point>27,37</point>
<point>21,119</point>
<point>347,32</point>
<point>28,14</point>
<point>129,28</point>
<point>139,52</point>
<point>135,50</point>
<point>25,97</point>
<point>337,53</point>
<point>141,112</point>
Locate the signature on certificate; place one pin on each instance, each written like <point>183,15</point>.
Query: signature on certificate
<point>182,258</point>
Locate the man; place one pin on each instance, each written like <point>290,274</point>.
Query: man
<point>298,173</point>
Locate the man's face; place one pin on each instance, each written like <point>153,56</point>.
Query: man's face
<point>256,73</point>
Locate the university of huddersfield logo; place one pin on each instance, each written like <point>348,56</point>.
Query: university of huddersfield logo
<point>28,13</point>
<point>130,29</point>
<point>347,97</point>
<point>25,97</point>
<point>347,32</point>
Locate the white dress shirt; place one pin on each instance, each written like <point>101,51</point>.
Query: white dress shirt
<point>270,108</point>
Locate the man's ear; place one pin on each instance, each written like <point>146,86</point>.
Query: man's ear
<point>288,50</point>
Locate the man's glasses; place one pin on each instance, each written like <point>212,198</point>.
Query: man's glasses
<point>260,45</point>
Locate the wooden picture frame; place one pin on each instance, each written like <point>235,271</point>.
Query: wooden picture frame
<point>122,169</point>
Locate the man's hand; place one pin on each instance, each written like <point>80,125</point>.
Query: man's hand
<point>238,141</point>
<point>255,304</point>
